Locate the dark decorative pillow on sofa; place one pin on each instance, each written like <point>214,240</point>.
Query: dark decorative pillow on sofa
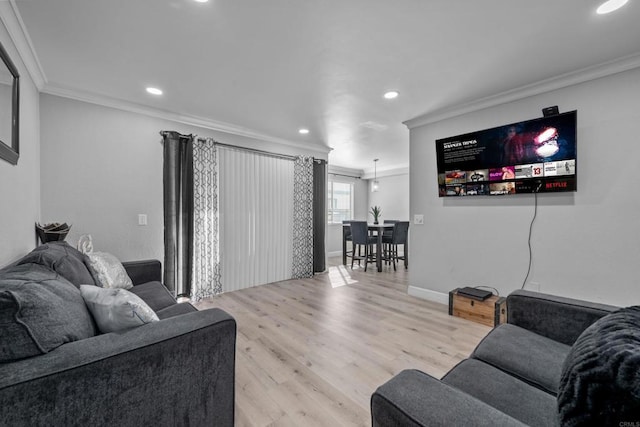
<point>64,259</point>
<point>39,311</point>
<point>600,383</point>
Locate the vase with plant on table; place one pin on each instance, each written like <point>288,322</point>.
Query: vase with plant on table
<point>376,211</point>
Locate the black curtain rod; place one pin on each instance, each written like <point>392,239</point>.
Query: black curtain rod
<point>238,147</point>
<point>253,150</point>
<point>348,176</point>
<point>264,153</point>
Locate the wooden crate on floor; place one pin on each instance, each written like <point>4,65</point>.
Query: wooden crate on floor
<point>490,312</point>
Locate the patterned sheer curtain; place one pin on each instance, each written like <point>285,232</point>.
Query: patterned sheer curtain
<point>206,246</point>
<point>303,217</point>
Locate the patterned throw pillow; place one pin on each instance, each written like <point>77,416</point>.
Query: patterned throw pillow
<point>108,271</point>
<point>600,383</point>
<point>116,309</point>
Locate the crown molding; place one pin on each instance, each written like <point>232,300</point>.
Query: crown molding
<point>341,170</point>
<point>403,170</point>
<point>201,122</point>
<point>10,17</point>
<point>554,83</point>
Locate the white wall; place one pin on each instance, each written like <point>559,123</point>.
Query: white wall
<point>392,197</point>
<point>103,166</point>
<point>585,244</point>
<point>20,184</point>
<point>361,201</point>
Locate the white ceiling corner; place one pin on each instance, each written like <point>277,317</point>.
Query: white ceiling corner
<point>10,16</point>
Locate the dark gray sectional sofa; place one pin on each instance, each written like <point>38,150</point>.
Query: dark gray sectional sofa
<point>178,371</point>
<point>558,361</point>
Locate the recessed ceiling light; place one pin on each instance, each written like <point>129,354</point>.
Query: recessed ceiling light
<point>610,5</point>
<point>391,94</point>
<point>201,1</point>
<point>303,131</point>
<point>154,91</point>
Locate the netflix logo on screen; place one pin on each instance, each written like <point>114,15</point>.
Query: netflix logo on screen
<point>558,184</point>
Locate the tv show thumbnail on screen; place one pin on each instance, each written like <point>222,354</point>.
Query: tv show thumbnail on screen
<point>538,150</point>
<point>535,170</point>
<point>478,175</point>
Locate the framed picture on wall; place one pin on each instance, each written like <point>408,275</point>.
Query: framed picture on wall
<point>9,109</point>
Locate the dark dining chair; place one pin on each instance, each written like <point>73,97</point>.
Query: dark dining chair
<point>399,236</point>
<point>347,230</point>
<point>346,236</point>
<point>388,233</point>
<point>360,237</point>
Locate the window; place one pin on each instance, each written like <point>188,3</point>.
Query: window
<point>340,202</point>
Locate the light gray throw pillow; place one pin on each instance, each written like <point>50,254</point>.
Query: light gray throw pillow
<point>116,309</point>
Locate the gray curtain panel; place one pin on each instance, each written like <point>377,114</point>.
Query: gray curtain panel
<point>178,211</point>
<point>319,214</point>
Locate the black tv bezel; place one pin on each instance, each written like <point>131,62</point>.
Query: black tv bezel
<point>519,185</point>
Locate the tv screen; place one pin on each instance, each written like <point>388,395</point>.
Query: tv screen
<point>534,156</point>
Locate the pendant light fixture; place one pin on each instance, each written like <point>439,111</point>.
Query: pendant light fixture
<point>376,184</point>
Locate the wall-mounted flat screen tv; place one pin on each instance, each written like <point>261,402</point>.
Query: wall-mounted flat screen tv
<point>534,156</point>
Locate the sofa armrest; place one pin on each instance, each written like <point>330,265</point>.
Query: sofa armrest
<point>178,371</point>
<point>558,318</point>
<point>144,271</point>
<point>413,398</point>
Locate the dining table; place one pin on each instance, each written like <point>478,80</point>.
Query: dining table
<point>377,229</point>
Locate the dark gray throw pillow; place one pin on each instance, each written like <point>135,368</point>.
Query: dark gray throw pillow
<point>600,383</point>
<point>39,311</point>
<point>64,259</point>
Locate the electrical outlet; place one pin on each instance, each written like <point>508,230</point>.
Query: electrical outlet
<point>534,286</point>
<point>418,219</point>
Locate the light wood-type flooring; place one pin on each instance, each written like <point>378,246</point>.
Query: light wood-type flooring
<point>311,352</point>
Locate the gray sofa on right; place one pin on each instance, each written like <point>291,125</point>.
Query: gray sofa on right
<point>557,362</point>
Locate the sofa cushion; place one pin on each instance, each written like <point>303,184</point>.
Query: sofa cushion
<point>415,399</point>
<point>64,260</point>
<point>600,383</point>
<point>504,392</point>
<point>116,309</point>
<point>531,357</point>
<point>39,311</point>
<point>175,310</point>
<point>155,294</point>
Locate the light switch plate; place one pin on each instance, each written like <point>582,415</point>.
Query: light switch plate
<point>418,219</point>
<point>142,219</point>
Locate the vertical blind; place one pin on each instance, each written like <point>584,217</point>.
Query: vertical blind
<point>256,218</point>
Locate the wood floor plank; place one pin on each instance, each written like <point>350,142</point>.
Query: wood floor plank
<point>312,351</point>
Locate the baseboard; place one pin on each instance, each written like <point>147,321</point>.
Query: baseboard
<point>439,297</point>
<point>333,254</point>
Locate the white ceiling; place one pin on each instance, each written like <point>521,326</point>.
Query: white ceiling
<point>272,67</point>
